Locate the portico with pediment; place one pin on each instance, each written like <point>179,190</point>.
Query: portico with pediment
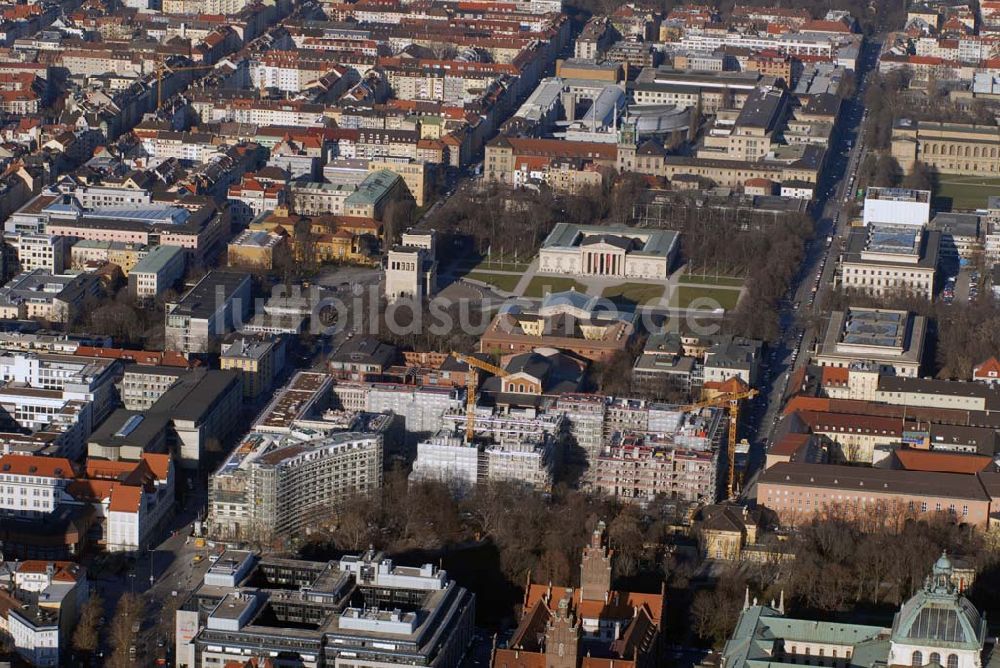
<point>604,255</point>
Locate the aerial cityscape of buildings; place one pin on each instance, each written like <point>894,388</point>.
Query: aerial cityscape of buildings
<point>520,333</point>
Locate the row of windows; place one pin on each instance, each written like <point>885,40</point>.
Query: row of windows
<point>934,659</point>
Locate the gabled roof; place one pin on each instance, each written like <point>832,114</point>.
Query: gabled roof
<point>988,369</point>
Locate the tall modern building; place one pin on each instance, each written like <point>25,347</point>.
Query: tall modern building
<point>357,612</point>
<point>280,484</point>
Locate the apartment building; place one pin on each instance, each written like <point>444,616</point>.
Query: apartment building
<point>257,361</point>
<point>246,107</point>
<point>40,295</point>
<point>296,71</point>
<point>253,196</point>
<point>584,415</point>
<point>314,198</point>
<point>247,604</point>
<point>214,307</point>
<point>161,269</point>
<point>128,499</point>
<point>633,471</point>
<point>39,251</point>
<point>89,253</point>
<point>40,602</point>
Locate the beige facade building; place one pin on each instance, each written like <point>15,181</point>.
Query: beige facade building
<point>415,174</point>
<point>257,361</point>
<point>891,259</point>
<point>893,341</point>
<point>949,148</point>
<point>411,267</point>
<point>799,492</point>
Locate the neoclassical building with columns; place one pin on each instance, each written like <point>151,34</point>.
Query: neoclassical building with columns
<point>613,251</point>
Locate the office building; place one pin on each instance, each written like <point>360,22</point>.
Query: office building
<point>39,251</point>
<point>892,341</point>
<point>214,307</point>
<point>897,206</point>
<point>121,503</point>
<point>797,492</point>
<point>161,269</point>
<point>359,611</point>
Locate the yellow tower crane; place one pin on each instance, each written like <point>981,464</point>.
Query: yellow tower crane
<point>732,400</point>
<point>161,68</point>
<point>471,383</point>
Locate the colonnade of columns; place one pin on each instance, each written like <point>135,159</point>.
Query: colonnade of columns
<point>603,264</point>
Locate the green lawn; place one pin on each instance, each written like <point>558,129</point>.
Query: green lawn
<point>966,192</point>
<point>634,293</point>
<point>542,285</point>
<point>505,282</point>
<point>685,294</point>
<point>497,264</point>
<point>696,279</point>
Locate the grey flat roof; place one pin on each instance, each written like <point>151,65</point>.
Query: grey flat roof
<point>654,242</point>
<point>195,395</point>
<point>200,301</point>
<point>157,259</point>
<point>145,430</point>
<point>882,481</point>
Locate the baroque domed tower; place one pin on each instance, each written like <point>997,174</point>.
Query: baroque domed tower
<point>938,626</point>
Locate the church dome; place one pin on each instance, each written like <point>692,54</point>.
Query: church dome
<point>939,616</point>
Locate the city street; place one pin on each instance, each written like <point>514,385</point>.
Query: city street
<point>801,311</point>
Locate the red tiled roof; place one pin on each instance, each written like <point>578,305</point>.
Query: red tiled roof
<point>158,464</point>
<point>988,369</point>
<point>806,403</point>
<point>49,467</point>
<point>620,604</point>
<point>941,462</point>
<point>125,499</point>
<point>789,444</point>
<point>820,25</point>
<point>832,375</point>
